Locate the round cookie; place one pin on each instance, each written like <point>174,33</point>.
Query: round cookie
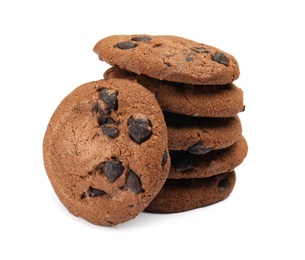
<point>199,135</point>
<point>170,58</point>
<point>105,151</point>
<point>193,100</point>
<point>187,165</point>
<point>186,194</point>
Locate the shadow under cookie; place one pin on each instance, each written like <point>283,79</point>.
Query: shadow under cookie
<point>186,194</point>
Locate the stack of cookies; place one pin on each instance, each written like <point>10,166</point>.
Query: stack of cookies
<point>193,85</point>
<point>160,132</point>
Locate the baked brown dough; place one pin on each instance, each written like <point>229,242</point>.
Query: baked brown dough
<point>170,58</point>
<point>105,151</point>
<point>199,135</point>
<point>187,165</point>
<point>193,100</point>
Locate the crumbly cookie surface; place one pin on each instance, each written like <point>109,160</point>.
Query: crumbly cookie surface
<point>105,151</point>
<point>170,58</point>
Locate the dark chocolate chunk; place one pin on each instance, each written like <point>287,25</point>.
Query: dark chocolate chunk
<point>223,185</point>
<point>198,148</point>
<point>139,129</point>
<point>220,58</point>
<point>244,108</point>
<point>92,192</point>
<point>164,158</point>
<point>133,183</point>
<point>109,120</point>
<point>113,169</point>
<point>110,131</point>
<point>104,120</point>
<point>125,45</point>
<point>141,39</point>
<point>182,160</point>
<point>188,57</point>
<point>101,120</point>
<point>109,97</point>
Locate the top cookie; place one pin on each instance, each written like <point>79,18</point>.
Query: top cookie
<point>105,150</point>
<point>170,58</point>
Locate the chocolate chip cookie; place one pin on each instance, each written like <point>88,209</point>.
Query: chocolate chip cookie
<point>199,135</point>
<point>186,194</point>
<point>105,151</point>
<point>170,58</point>
<point>193,100</point>
<point>188,165</point>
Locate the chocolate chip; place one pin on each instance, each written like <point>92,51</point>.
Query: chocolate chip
<point>164,159</point>
<point>104,120</point>
<point>110,131</point>
<point>133,183</point>
<point>125,45</point>
<point>109,97</point>
<point>220,58</point>
<point>223,185</point>
<point>113,169</point>
<point>139,129</point>
<point>167,64</point>
<point>141,39</point>
<point>101,120</point>
<point>244,108</point>
<point>182,160</point>
<point>198,148</point>
<point>188,57</point>
<point>109,120</point>
<point>92,192</point>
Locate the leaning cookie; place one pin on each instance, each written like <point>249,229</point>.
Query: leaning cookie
<point>186,194</point>
<point>170,58</point>
<point>187,165</point>
<point>193,100</point>
<point>105,151</point>
<point>199,135</point>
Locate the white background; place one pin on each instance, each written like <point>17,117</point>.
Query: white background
<point>46,52</point>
